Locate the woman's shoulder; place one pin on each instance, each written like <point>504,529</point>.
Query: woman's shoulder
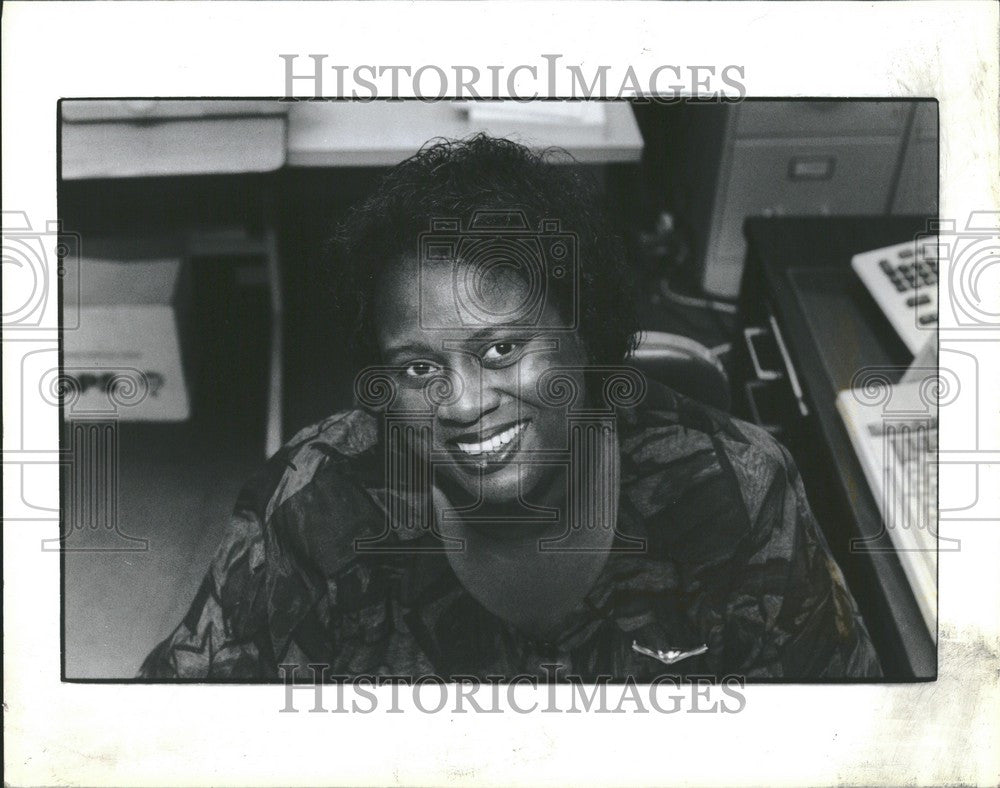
<point>708,470</point>
<point>321,490</point>
<point>291,532</point>
<point>346,432</point>
<point>667,428</point>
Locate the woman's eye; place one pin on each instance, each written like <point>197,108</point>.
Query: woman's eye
<point>420,369</point>
<point>500,351</point>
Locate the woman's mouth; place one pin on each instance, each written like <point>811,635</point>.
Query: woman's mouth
<point>491,450</point>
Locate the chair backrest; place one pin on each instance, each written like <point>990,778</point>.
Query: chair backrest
<point>686,366</point>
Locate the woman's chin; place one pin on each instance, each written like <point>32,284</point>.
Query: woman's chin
<point>502,487</point>
<point>506,487</point>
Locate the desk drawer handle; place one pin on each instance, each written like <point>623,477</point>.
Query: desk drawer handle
<point>793,378</point>
<point>749,388</point>
<point>749,334</point>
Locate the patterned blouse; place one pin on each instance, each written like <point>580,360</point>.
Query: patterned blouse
<point>729,557</point>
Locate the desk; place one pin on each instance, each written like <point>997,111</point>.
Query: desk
<point>121,139</point>
<point>798,272</point>
<point>383,133</point>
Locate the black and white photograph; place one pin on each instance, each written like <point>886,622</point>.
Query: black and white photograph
<point>561,389</point>
<point>527,393</point>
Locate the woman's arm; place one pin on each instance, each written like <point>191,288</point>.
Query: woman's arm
<point>224,634</point>
<point>293,526</point>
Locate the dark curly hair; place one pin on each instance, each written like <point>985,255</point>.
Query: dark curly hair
<point>456,179</point>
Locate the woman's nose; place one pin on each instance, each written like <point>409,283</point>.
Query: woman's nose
<point>471,398</point>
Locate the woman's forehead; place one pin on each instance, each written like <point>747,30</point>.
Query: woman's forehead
<point>454,294</point>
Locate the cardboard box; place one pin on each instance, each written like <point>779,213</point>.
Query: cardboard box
<point>126,358</point>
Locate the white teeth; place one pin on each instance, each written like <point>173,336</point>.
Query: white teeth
<point>494,443</point>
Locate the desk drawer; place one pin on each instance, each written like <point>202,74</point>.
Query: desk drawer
<point>820,118</point>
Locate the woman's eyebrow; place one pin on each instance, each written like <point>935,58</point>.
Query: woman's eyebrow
<point>450,340</point>
<point>491,331</point>
<point>408,348</point>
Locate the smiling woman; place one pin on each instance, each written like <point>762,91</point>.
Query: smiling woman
<point>507,495</point>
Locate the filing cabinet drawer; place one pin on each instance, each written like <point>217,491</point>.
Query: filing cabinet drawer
<point>803,177</point>
<point>820,118</point>
<point>918,180</point>
<point>925,122</point>
<point>916,190</point>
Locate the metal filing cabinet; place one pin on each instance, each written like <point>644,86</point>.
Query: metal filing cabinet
<point>806,158</point>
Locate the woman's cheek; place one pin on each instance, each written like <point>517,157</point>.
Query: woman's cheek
<point>552,379</point>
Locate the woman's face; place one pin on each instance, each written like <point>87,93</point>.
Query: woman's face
<point>486,437</point>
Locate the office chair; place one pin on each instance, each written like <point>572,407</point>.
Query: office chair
<point>684,365</point>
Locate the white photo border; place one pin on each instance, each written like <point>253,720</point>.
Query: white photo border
<point>926,733</point>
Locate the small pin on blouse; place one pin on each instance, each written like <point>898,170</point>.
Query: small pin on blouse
<point>671,656</point>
